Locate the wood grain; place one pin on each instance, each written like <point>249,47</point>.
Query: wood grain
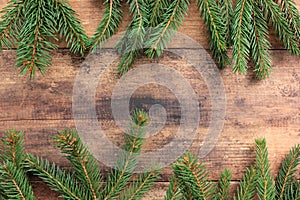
<point>269,108</point>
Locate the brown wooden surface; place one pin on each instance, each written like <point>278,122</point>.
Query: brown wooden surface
<point>269,108</point>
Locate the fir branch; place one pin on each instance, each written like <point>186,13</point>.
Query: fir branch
<point>192,178</point>
<point>265,182</point>
<point>292,16</point>
<point>86,166</point>
<point>246,189</point>
<point>69,27</point>
<point>259,42</point>
<point>215,23</point>
<point>172,18</point>
<point>14,182</point>
<point>34,47</point>
<point>10,24</point>
<point>140,186</point>
<point>292,190</point>
<point>157,8</point>
<point>59,180</point>
<point>109,24</point>
<point>227,15</point>
<point>224,185</point>
<point>127,162</point>
<point>241,31</point>
<point>173,192</point>
<point>282,27</point>
<point>133,40</point>
<point>287,171</point>
<point>12,148</point>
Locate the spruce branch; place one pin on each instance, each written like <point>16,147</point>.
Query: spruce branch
<point>265,182</point>
<point>281,26</point>
<point>224,186</point>
<point>259,42</point>
<point>85,165</point>
<point>10,24</point>
<point>58,179</point>
<point>139,187</point>
<point>34,47</point>
<point>161,34</point>
<point>12,148</point>
<point>14,182</point>
<point>292,16</point>
<point>128,160</point>
<point>192,178</point>
<point>157,8</point>
<point>212,14</point>
<point>108,25</point>
<point>173,192</point>
<point>133,40</point>
<point>287,170</point>
<point>246,189</point>
<point>227,15</point>
<point>241,31</point>
<point>69,27</point>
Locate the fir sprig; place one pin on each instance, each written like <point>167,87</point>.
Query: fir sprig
<point>265,182</point>
<point>173,192</point>
<point>286,171</point>
<point>133,40</point>
<point>223,192</point>
<point>69,27</point>
<point>227,16</point>
<point>108,25</point>
<point>14,182</point>
<point>240,36</point>
<point>139,187</point>
<point>211,11</point>
<point>34,47</point>
<point>162,33</point>
<point>10,24</point>
<point>83,162</point>
<point>128,160</point>
<point>246,190</point>
<point>193,178</point>
<point>281,26</point>
<point>58,179</point>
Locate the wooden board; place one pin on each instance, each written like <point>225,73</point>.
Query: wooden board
<point>269,108</point>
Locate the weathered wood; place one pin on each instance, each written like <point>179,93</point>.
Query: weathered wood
<point>269,108</point>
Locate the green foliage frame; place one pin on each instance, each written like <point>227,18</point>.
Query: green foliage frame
<point>33,25</point>
<point>189,181</point>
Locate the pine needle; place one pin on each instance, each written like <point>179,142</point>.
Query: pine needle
<point>108,25</point>
<point>240,36</point>
<point>58,179</point>
<point>173,192</point>
<point>215,23</point>
<point>246,189</point>
<point>287,170</point>
<point>265,182</point>
<point>224,186</point>
<point>192,178</point>
<point>85,165</point>
<point>69,27</point>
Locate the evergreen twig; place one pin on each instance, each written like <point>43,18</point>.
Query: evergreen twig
<point>246,190</point>
<point>211,11</point>
<point>85,165</point>
<point>286,171</point>
<point>173,192</point>
<point>109,24</point>
<point>265,182</point>
<point>192,178</point>
<point>224,185</point>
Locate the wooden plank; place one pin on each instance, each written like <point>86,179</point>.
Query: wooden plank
<point>268,108</point>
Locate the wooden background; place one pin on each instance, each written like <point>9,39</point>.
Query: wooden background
<point>269,108</point>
